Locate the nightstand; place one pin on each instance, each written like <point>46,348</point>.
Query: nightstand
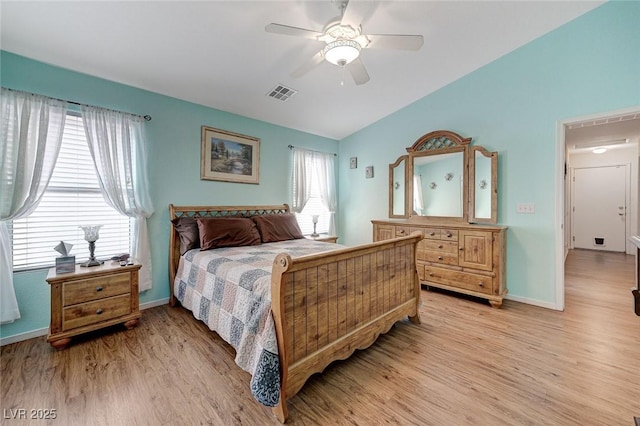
<point>92,298</point>
<point>324,237</point>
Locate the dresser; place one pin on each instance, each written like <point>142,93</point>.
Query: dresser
<point>460,257</point>
<point>91,298</point>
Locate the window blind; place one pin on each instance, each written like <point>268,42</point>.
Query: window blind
<point>73,198</point>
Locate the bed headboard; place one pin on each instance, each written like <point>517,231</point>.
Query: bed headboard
<point>209,211</point>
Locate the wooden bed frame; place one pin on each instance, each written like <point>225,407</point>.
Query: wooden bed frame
<point>327,305</point>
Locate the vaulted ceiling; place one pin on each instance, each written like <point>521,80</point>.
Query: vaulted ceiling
<point>218,54</point>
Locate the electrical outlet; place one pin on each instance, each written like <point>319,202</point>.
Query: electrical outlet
<point>528,208</point>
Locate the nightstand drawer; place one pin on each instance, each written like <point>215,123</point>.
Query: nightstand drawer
<point>81,291</point>
<point>94,312</point>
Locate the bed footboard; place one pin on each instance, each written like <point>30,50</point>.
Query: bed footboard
<point>326,306</point>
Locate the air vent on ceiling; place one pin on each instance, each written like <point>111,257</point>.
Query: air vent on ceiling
<point>281,92</point>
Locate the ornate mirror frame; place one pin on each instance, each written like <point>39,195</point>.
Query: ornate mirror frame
<point>442,142</point>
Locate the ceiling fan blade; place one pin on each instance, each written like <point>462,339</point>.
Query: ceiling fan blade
<point>351,15</point>
<point>358,71</point>
<point>308,66</point>
<point>395,41</point>
<point>292,31</point>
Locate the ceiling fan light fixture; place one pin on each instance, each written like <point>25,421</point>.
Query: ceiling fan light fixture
<point>341,52</point>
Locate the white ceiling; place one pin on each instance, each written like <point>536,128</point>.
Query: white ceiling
<point>217,53</point>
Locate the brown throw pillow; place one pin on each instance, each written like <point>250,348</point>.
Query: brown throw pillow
<point>278,227</point>
<point>187,229</point>
<point>227,232</point>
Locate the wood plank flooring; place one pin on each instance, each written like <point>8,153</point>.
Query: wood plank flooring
<point>467,363</point>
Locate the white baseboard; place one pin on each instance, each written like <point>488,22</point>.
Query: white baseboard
<point>24,336</point>
<point>44,331</point>
<point>534,302</point>
<point>154,303</point>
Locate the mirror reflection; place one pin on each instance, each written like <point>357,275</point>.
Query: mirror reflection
<point>438,183</point>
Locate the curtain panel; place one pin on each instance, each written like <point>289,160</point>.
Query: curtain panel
<point>31,130</point>
<point>319,166</point>
<point>117,146</point>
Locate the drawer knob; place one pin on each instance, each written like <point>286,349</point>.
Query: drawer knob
<point>432,233</point>
<point>99,288</point>
<point>439,257</point>
<point>480,284</point>
<point>461,249</point>
<point>440,246</point>
<point>401,231</point>
<point>449,234</point>
<point>99,311</point>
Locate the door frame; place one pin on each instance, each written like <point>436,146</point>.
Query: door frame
<point>560,196</point>
<point>627,200</point>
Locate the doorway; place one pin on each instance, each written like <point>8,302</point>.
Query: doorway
<point>598,208</point>
<point>616,130</point>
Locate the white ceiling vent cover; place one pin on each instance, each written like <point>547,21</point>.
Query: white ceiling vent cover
<point>281,93</point>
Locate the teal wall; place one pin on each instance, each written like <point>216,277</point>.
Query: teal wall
<point>174,164</point>
<point>513,106</point>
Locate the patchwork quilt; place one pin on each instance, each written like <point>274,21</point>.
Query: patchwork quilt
<point>229,289</point>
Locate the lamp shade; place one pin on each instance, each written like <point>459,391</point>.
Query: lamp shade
<point>341,52</point>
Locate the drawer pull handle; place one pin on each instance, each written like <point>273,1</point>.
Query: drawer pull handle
<point>99,311</point>
<point>440,246</point>
<point>99,288</point>
<point>401,232</point>
<point>431,274</point>
<point>480,284</point>
<point>461,249</point>
<point>439,257</point>
<point>432,233</point>
<point>449,234</point>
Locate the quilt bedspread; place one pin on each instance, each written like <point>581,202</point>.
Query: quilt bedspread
<point>229,289</point>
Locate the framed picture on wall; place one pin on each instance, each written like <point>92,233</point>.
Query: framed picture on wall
<point>229,157</point>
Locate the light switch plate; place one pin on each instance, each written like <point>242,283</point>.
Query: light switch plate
<point>528,208</point>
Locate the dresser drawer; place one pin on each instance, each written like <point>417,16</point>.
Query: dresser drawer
<point>466,280</point>
<point>403,231</point>
<point>96,311</point>
<point>439,257</point>
<point>439,246</point>
<point>75,292</point>
<point>432,233</point>
<point>449,234</point>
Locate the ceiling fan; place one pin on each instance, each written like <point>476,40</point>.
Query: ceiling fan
<point>344,41</point>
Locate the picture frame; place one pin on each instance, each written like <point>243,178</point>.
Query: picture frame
<point>229,157</point>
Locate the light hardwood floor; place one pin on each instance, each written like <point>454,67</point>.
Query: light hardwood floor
<point>466,364</point>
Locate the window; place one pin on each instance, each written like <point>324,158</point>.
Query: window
<point>318,169</point>
<point>73,198</point>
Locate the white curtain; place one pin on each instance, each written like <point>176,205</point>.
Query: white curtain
<point>318,166</point>
<point>116,143</point>
<point>325,171</point>
<point>418,203</point>
<point>32,128</point>
<point>301,179</point>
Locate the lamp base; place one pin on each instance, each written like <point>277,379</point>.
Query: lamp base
<point>314,235</point>
<point>92,262</point>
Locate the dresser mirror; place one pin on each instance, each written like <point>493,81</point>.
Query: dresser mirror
<point>483,186</point>
<point>445,179</point>
<point>398,202</point>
